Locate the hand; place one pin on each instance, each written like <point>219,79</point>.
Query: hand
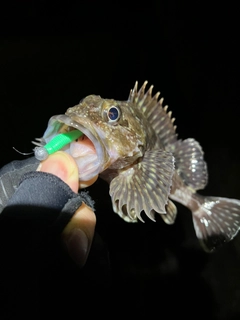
<point>38,204</point>
<point>78,234</point>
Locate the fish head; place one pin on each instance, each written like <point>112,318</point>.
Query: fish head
<point>114,134</point>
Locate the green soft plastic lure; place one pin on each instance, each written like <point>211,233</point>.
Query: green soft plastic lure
<point>57,143</point>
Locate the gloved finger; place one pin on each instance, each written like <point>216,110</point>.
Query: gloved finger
<point>78,234</point>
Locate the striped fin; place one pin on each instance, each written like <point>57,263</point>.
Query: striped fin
<point>143,187</point>
<point>216,220</point>
<point>156,114</point>
<point>189,162</point>
<point>171,213</point>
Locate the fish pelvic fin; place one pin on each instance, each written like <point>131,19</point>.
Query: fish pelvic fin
<point>145,186</point>
<point>216,220</point>
<point>157,115</point>
<point>171,213</point>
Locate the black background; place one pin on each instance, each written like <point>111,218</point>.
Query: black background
<point>53,55</point>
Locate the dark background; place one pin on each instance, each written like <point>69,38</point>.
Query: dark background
<point>53,55</point>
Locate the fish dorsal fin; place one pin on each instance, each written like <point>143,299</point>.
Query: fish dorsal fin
<point>156,114</point>
<point>190,164</point>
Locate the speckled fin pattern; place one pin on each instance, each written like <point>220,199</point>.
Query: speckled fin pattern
<point>143,187</point>
<point>171,213</point>
<point>158,117</point>
<point>216,221</point>
<point>189,163</point>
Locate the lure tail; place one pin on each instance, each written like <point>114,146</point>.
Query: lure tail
<point>216,220</point>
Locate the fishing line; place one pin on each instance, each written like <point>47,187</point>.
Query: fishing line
<point>23,153</point>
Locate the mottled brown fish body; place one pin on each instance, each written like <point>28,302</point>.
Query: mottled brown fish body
<point>139,154</point>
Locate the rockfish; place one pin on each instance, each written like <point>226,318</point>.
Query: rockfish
<point>133,145</point>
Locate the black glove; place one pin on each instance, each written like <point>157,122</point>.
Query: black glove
<point>34,209</point>
<point>10,176</point>
<point>36,206</point>
<point>27,194</point>
<point>35,270</point>
<point>54,193</point>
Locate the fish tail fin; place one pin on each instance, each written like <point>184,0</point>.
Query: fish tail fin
<point>216,220</point>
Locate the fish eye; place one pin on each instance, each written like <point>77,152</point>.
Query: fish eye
<point>113,114</point>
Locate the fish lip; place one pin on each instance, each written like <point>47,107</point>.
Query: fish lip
<point>87,128</point>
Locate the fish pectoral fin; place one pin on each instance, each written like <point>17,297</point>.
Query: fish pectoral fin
<point>190,164</point>
<point>143,187</point>
<point>170,216</point>
<point>216,220</point>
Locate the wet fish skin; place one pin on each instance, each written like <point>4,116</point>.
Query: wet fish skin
<point>147,166</point>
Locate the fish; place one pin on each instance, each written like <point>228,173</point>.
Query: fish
<point>134,146</point>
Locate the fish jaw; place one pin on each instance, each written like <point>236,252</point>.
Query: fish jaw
<point>90,164</point>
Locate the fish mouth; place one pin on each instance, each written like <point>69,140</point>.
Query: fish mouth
<point>88,151</point>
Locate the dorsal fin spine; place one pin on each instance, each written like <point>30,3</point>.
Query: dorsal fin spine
<point>151,106</point>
